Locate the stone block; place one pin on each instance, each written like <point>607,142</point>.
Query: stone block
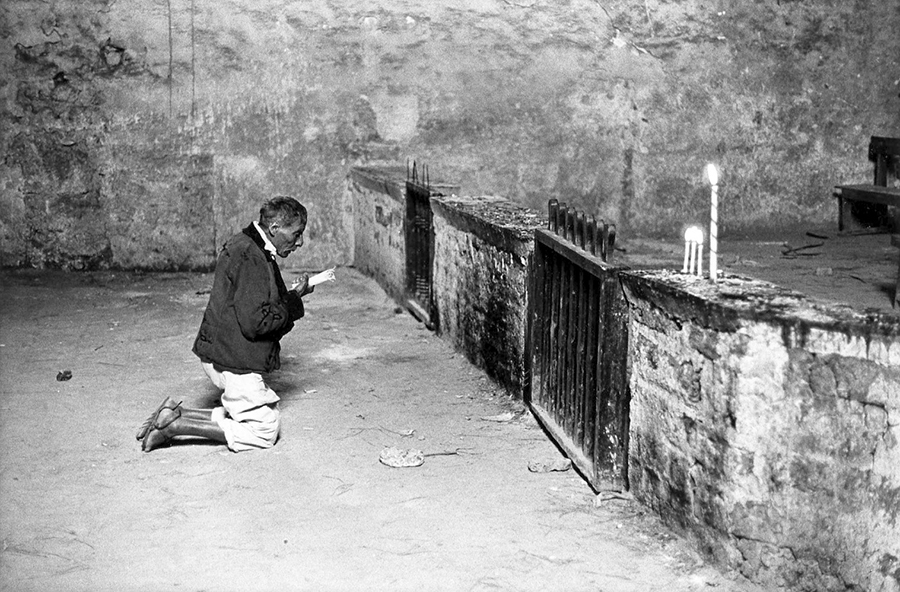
<point>786,467</point>
<point>378,197</point>
<point>482,251</point>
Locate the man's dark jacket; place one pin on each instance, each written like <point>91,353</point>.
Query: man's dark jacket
<point>249,311</point>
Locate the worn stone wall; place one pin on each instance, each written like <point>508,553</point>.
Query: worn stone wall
<point>482,249</point>
<point>767,429</point>
<point>377,203</point>
<point>612,106</point>
<point>378,197</point>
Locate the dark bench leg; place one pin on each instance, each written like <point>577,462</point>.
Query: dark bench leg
<point>896,300</point>
<point>840,214</point>
<point>895,241</point>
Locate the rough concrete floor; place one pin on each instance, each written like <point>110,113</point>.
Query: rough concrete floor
<point>83,509</point>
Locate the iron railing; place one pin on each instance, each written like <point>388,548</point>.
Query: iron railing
<point>576,345</point>
<point>419,245</point>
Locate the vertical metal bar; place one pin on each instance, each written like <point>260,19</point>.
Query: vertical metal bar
<point>552,378</point>
<point>579,229</point>
<point>590,368</point>
<point>570,225</point>
<point>572,351</point>
<point>543,288</point>
<point>561,213</point>
<point>612,428</point>
<point>532,321</point>
<point>604,237</point>
<point>560,397</point>
<point>601,224</point>
<point>592,235</point>
<point>552,212</point>
<point>611,246</point>
<point>602,398</point>
<point>562,340</point>
<point>580,355</point>
<point>417,244</point>
<point>620,395</point>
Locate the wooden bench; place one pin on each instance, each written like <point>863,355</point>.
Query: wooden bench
<point>895,241</point>
<point>881,151</point>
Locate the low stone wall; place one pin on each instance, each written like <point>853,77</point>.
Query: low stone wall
<point>482,251</point>
<point>482,247</point>
<point>378,200</point>
<point>768,429</point>
<point>763,425</point>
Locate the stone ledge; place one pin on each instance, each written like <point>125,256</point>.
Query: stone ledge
<point>723,306</point>
<point>762,427</point>
<point>495,220</point>
<point>391,180</point>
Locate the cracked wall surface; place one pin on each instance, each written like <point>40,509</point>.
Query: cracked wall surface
<point>777,450</point>
<point>482,248</point>
<point>378,200</point>
<point>612,106</point>
<point>482,252</point>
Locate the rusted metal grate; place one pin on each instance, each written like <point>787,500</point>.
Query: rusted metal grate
<point>576,345</point>
<point>419,244</point>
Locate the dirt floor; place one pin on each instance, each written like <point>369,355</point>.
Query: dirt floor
<point>82,508</point>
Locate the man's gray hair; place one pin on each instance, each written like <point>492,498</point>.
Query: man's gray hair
<point>282,209</point>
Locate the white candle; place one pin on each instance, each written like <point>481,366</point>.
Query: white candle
<point>713,175</point>
<point>693,250</point>
<point>699,253</point>
<point>693,260</point>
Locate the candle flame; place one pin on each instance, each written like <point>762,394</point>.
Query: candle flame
<point>693,234</point>
<point>713,173</point>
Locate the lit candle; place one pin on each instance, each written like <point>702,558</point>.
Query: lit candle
<point>692,261</point>
<point>713,175</point>
<point>693,251</point>
<point>699,253</point>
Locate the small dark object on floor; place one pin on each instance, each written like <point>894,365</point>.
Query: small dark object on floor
<point>64,375</point>
<point>549,466</point>
<point>789,252</point>
<point>819,236</point>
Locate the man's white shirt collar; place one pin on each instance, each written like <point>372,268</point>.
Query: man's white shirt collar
<point>269,246</point>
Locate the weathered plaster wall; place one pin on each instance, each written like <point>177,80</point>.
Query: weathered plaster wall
<point>768,430</point>
<point>378,198</point>
<point>482,251</point>
<point>612,106</point>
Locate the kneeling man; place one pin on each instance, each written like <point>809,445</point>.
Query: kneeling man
<point>250,309</point>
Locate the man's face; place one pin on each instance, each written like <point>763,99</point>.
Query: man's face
<point>286,239</point>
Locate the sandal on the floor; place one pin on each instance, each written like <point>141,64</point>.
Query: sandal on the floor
<point>154,438</point>
<point>168,403</point>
